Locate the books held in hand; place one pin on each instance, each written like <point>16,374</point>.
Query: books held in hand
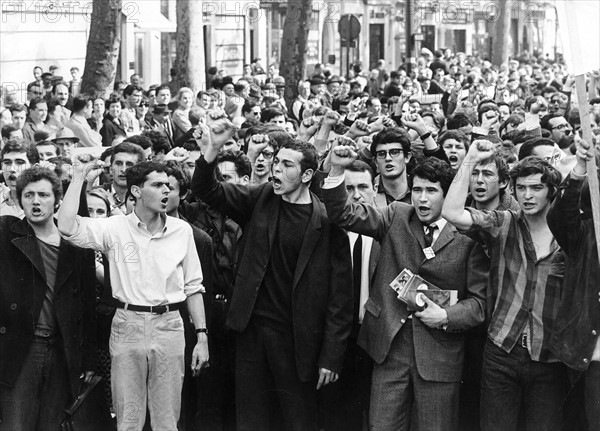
<point>412,288</point>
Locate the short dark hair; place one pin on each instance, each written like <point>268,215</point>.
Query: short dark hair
<point>535,165</point>
<point>512,120</point>
<point>438,119</point>
<point>249,105</point>
<point>191,145</point>
<point>36,101</point>
<point>131,88</point>
<point>456,135</point>
<point>195,115</point>
<point>129,148</point>
<point>269,113</point>
<point>360,166</point>
<point>160,142</point>
<point>7,130</point>
<point>107,153</point>
<point>38,173</point>
<point>181,174</point>
<point>545,121</point>
<point>163,87</point>
<point>457,121</point>
<point>239,159</point>
<point>435,170</point>
<point>55,86</point>
<point>527,148</point>
<point>481,110</point>
<point>20,146</point>
<point>142,140</point>
<point>138,173</point>
<point>17,107</point>
<point>112,101</point>
<point>52,104</point>
<point>392,135</point>
<point>501,166</point>
<point>80,102</point>
<point>310,157</point>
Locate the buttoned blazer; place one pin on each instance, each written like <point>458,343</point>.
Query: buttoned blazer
<point>459,264</point>
<point>22,289</point>
<point>322,285</point>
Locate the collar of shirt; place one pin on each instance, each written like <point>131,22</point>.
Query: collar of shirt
<point>528,244</point>
<point>140,225</point>
<point>390,198</point>
<point>440,224</point>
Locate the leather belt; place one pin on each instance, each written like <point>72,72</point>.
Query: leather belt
<point>154,309</point>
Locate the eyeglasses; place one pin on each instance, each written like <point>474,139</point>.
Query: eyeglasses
<point>394,153</point>
<point>267,154</point>
<point>144,105</point>
<point>562,126</point>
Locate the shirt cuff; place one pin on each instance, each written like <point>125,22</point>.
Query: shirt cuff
<point>576,176</point>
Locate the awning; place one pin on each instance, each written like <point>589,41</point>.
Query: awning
<point>149,20</point>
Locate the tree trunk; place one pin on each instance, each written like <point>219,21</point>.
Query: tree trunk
<point>102,48</point>
<point>294,46</point>
<point>501,41</point>
<point>190,46</point>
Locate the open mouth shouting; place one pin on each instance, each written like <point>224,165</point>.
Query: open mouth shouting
<point>260,168</point>
<point>480,191</point>
<point>276,182</point>
<point>424,210</point>
<point>528,205</point>
<point>453,159</point>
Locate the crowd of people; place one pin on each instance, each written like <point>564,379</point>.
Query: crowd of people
<point>226,260</point>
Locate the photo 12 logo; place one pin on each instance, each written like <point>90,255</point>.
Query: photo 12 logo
<point>55,12</point>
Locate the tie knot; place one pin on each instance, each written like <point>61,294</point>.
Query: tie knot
<point>431,228</point>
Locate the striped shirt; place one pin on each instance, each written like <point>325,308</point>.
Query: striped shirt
<point>524,289</point>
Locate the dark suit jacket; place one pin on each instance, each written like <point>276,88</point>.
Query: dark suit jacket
<point>22,289</point>
<point>110,130</point>
<point>156,126</point>
<point>322,298</point>
<point>459,264</point>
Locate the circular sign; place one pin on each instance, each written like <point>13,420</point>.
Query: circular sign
<point>349,27</point>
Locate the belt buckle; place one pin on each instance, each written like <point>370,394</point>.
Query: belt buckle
<point>524,341</point>
<point>159,309</point>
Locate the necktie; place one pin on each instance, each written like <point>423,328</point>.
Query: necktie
<point>429,234</point>
<point>356,274</point>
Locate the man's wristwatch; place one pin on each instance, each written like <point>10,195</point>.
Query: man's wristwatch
<point>202,331</point>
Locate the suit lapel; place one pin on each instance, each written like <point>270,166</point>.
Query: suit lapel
<point>373,260</point>
<point>416,227</point>
<point>27,244</point>
<point>446,235</point>
<point>313,233</point>
<point>65,266</point>
<point>272,220</point>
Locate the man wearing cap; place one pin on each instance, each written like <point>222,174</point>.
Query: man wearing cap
<point>65,141</point>
<point>161,121</point>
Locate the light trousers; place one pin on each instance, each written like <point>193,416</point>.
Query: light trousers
<point>147,368</point>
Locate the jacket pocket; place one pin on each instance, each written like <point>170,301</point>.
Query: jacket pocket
<point>373,308</point>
